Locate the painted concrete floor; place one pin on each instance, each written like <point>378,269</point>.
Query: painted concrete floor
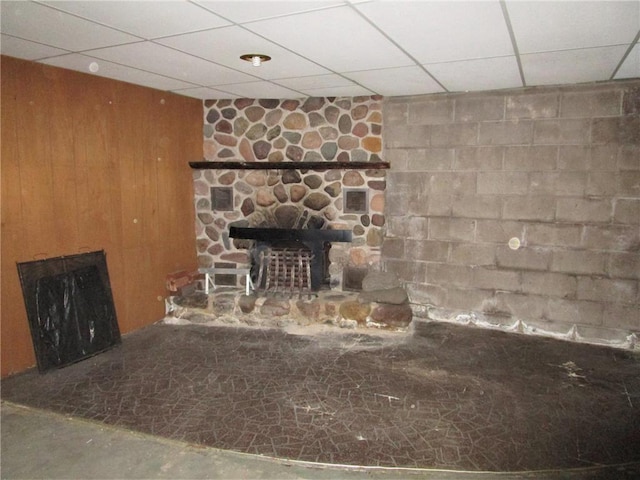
<point>441,397</point>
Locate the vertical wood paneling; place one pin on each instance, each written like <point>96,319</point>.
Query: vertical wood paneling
<point>90,163</point>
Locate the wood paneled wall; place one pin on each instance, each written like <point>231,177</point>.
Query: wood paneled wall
<point>88,164</point>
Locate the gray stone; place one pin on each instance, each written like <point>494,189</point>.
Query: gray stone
<point>317,201</point>
<point>395,316</point>
<point>291,176</point>
<point>380,281</point>
<point>294,153</point>
<point>247,303</point>
<point>313,181</point>
<point>344,124</point>
<point>393,296</point>
<point>275,307</point>
<point>257,131</point>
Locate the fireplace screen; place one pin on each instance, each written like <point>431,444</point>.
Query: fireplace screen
<point>69,307</point>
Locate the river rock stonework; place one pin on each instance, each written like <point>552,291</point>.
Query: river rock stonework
<point>314,129</point>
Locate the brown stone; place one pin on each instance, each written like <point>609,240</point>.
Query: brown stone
<point>344,103</point>
<point>205,261</point>
<point>212,233</point>
<point>247,303</point>
<point>281,193</point>
<point>274,132</point>
<point>209,149</point>
<point>242,103</point>
<point>286,216</point>
<point>264,197</point>
<point>311,140</point>
<point>200,187</point>
<point>254,113</point>
<point>395,316</point>
<point>343,157</point>
<point>344,124</point>
<point>269,103</point>
<point>276,156</point>
<point>374,237</point>
<point>224,126</point>
<point>357,257</point>
<point>294,153</point>
<point>261,149</point>
<point>331,113</point>
<point>236,257</point>
<point>376,129</point>
<point>290,105</point>
<point>215,249</point>
<point>315,120</point>
<point>279,143</point>
<point>291,176</point>
<point>317,201</point>
<point>359,112</point>
<point>377,202</point>
<point>275,307</point>
<point>247,207</point>
<point>375,117</point>
<point>372,144</point>
<point>246,151</point>
<point>309,309</point>
<point>227,140</point>
<point>257,131</point>
<point>312,104</point>
<point>377,184</point>
<point>377,220</point>
<point>205,217</point>
<point>333,175</point>
<point>226,153</point>
<point>273,117</point>
<point>229,113</point>
<point>334,189</point>
<point>358,230</point>
<point>354,310</point>
<point>360,129</point>
<point>295,121</point>
<point>227,178</point>
<point>256,178</point>
<point>313,181</point>
<point>352,178</point>
<point>297,193</point>
<point>347,142</point>
<point>202,244</point>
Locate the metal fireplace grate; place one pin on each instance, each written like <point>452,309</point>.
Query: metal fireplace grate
<point>285,270</point>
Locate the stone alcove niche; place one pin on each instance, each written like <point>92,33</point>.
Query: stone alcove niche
<point>293,195</point>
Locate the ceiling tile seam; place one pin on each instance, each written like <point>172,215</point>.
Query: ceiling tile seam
<point>67,52</point>
<point>577,49</point>
<point>625,55</point>
<point>514,42</point>
<point>397,45</point>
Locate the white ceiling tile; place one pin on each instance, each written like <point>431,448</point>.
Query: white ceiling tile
<point>571,66</point>
<point>246,11</point>
<point>316,81</point>
<point>348,91</point>
<point>39,23</point>
<point>82,63</point>
<point>475,75</point>
<point>143,18</point>
<point>166,61</point>
<point>562,25</point>
<point>225,45</point>
<point>397,81</point>
<point>15,47</point>
<point>340,40</point>
<point>204,93</point>
<point>260,90</point>
<point>443,31</point>
<point>631,66</point>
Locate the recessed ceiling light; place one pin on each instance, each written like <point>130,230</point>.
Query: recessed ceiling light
<point>256,59</point>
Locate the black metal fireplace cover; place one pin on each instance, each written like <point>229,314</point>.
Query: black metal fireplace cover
<point>69,307</point>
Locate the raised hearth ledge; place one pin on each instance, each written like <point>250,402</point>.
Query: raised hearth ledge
<point>206,165</point>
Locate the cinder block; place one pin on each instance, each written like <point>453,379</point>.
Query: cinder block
<point>454,134</point>
<point>584,209</point>
<point>525,258</point>
<point>451,182</point>
<point>407,227</point>
<point>565,131</point>
<point>397,158</point>
<point>602,183</point>
<point>405,183</point>
<point>447,228</point>
<point>604,158</point>
<point>506,133</point>
<point>397,203</point>
<point>629,157</point>
<point>407,271</point>
<point>629,183</point>
<point>395,112</point>
<point>621,130</point>
<point>466,299</point>
<point>501,183</point>
<point>555,234</point>
<point>422,294</point>
<point>624,265</point>
<point>407,136</point>
<point>529,208</point>
<point>622,316</point>
<point>426,250</point>
<point>524,307</point>
<point>498,231</point>
<point>439,204</point>
<point>621,238</point>
<point>479,108</point>
<point>431,112</point>
<point>393,248</point>
<point>531,158</point>
<point>558,183</point>
<point>600,289</point>
<point>627,210</point>
<point>478,158</point>
<point>477,206</point>
<point>495,279</point>
<point>631,100</point>
<point>584,262</point>
<point>429,159</point>
<point>472,254</point>
<point>537,105</point>
<point>591,103</point>
<point>447,274</point>
<point>550,284</point>
<point>574,157</point>
<point>576,311</point>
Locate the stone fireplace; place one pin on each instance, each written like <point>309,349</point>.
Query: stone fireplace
<point>293,164</point>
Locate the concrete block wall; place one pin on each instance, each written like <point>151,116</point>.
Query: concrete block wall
<point>555,169</point>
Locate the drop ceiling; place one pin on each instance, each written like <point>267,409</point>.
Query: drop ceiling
<point>329,48</point>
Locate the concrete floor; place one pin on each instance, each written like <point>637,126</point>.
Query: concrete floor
<point>227,402</point>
